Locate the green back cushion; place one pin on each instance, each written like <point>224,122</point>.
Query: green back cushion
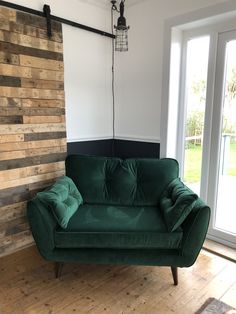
<point>176,203</point>
<point>63,198</point>
<point>114,181</point>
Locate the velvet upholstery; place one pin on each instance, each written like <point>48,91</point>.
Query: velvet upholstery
<point>131,182</point>
<point>63,198</point>
<point>102,226</point>
<point>176,202</point>
<point>125,193</point>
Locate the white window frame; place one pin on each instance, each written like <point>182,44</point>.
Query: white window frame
<point>207,22</point>
<point>173,35</point>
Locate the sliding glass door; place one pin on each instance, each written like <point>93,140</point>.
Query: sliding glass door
<point>195,106</point>
<point>223,158</point>
<point>207,128</point>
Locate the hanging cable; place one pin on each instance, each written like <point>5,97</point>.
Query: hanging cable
<point>113,83</point>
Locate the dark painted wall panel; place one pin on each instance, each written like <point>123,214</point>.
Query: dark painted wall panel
<point>135,149</point>
<point>96,148</point>
<point>118,148</point>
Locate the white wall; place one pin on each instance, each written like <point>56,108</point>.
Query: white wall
<point>87,59</point>
<point>139,71</point>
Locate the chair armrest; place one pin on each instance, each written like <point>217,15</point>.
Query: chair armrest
<point>42,225</point>
<point>195,228</point>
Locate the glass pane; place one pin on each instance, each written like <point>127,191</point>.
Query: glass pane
<point>226,211</point>
<point>196,81</point>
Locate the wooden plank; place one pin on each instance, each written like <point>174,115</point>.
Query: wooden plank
<point>30,161</point>
<point>43,136</point>
<point>12,155</point>
<point>31,179</point>
<point>219,249</point>
<point>11,119</point>
<point>15,174</point>
<point>32,42</point>
<point>229,296</point>
<point>29,51</point>
<point>43,103</point>
<point>12,138</point>
<point>16,71</point>
<point>45,151</point>
<point>12,243</point>
<point>16,154</point>
<point>32,111</point>
<point>15,111</point>
<point>37,21</point>
<point>7,238</point>
<point>47,143</point>
<point>10,102</point>
<point>29,30</point>
<point>14,195</point>
<point>9,58</point>
<point>14,211</point>
<point>31,73</point>
<point>22,193</point>
<point>6,13</point>
<point>43,119</point>
<point>41,185</point>
<point>13,191</point>
<point>41,63</point>
<point>4,23</point>
<point>10,81</point>
<point>48,75</point>
<point>30,93</point>
<point>7,147</point>
<point>13,227</point>
<point>32,128</point>
<point>32,83</point>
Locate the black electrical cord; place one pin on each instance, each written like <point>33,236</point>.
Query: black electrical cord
<point>113,83</point>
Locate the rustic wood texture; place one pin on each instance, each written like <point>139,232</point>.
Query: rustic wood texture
<point>29,286</point>
<point>45,103</point>
<point>32,119</point>
<point>29,30</point>
<point>10,102</point>
<point>6,47</point>
<point>9,58</point>
<point>32,73</point>
<point>29,41</point>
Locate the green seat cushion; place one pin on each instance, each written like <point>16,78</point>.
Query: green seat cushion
<point>63,198</point>
<point>176,203</point>
<point>104,226</point>
<point>113,181</point>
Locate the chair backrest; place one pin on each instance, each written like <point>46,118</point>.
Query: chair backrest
<point>138,182</point>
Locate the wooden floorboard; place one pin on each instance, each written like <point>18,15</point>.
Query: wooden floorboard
<point>28,285</point>
<point>220,249</point>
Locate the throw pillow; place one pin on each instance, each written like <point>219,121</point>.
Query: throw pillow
<point>176,203</point>
<point>63,198</point>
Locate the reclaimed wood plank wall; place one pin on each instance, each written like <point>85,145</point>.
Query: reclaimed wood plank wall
<point>32,119</point>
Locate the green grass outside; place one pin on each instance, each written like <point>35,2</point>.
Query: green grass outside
<point>193,156</point>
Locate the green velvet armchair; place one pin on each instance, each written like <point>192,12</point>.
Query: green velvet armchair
<point>114,211</point>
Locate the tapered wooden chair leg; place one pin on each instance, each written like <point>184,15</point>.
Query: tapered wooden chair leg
<point>58,269</point>
<point>174,271</point>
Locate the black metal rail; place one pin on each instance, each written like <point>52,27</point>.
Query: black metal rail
<point>55,18</point>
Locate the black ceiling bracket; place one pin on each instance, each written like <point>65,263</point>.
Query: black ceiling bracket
<point>47,12</point>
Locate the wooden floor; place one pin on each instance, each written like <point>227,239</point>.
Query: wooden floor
<point>28,285</point>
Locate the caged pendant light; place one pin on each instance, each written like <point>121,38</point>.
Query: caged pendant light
<point>121,41</point>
